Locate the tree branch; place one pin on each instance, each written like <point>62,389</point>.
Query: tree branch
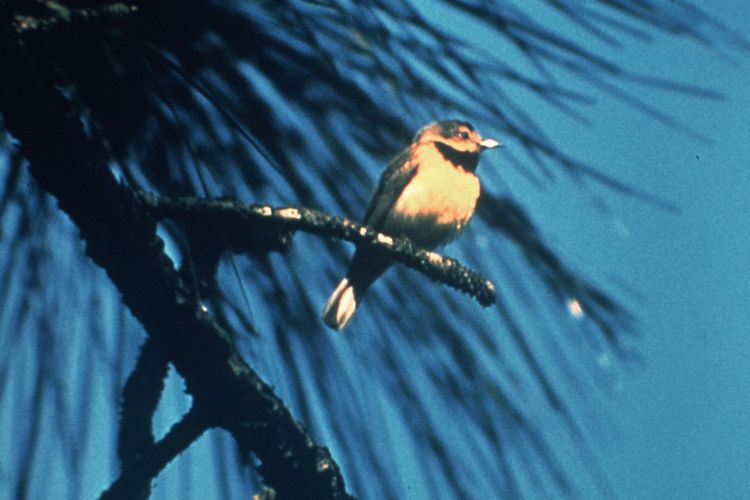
<point>140,398</point>
<point>120,237</point>
<point>134,482</point>
<point>57,17</point>
<point>256,227</point>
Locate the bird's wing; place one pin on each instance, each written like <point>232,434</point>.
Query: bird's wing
<point>393,181</point>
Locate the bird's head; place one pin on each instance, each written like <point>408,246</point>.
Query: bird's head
<point>457,135</point>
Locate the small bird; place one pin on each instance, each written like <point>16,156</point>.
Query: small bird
<point>427,193</point>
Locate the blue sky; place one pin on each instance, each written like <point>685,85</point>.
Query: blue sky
<point>685,415</point>
<point>679,424</point>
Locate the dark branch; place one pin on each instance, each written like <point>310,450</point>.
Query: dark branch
<point>57,17</point>
<point>120,237</point>
<point>140,397</point>
<point>135,480</point>
<point>248,226</point>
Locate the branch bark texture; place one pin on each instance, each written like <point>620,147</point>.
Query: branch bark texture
<point>120,236</point>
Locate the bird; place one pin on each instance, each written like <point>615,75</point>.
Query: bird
<point>427,193</point>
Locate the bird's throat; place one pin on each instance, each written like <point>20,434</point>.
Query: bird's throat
<point>466,160</point>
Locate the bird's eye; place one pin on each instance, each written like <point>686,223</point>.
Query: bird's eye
<point>463,134</point>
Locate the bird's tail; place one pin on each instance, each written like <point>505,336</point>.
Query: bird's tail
<point>367,265</point>
<point>341,306</point>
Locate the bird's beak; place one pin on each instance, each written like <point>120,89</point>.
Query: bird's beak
<point>489,144</point>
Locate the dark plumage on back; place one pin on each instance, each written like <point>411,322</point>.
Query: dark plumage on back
<point>399,172</point>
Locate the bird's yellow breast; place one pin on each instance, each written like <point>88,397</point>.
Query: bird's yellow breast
<point>438,202</point>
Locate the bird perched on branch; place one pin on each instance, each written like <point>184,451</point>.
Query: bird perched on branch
<point>427,193</point>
